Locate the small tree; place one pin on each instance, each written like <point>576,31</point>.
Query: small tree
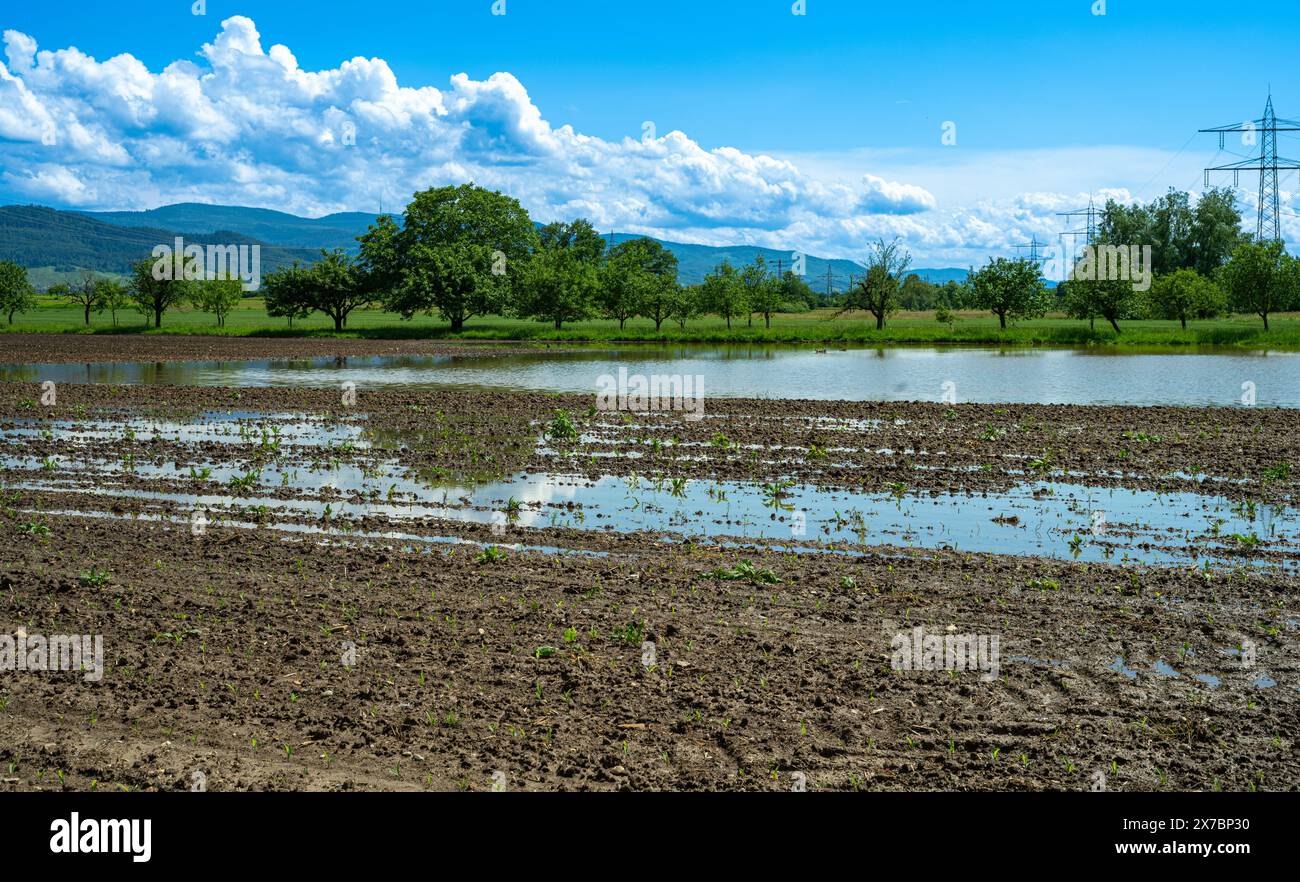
<point>16,293</point>
<point>217,296</point>
<point>113,296</point>
<point>286,293</point>
<point>1261,278</point>
<point>1111,299</point>
<point>659,296</point>
<point>877,291</point>
<point>639,277</point>
<point>762,290</point>
<point>723,292</point>
<point>336,287</point>
<point>151,296</point>
<point>85,293</point>
<point>623,287</point>
<point>1186,294</point>
<point>684,303</point>
<point>1008,289</point>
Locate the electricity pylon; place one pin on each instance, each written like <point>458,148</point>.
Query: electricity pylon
<point>1268,164</point>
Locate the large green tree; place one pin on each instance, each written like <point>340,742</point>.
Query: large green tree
<point>1010,289</point>
<point>1181,236</point>
<point>1185,294</point>
<point>1261,278</point>
<point>577,237</point>
<point>1216,231</point>
<point>459,251</point>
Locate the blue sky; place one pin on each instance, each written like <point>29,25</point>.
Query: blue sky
<point>1050,102</point>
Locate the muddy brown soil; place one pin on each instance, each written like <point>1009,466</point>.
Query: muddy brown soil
<point>268,659</point>
<point>88,348</point>
<point>225,654</point>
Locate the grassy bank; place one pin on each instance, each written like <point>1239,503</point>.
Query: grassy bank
<point>816,327</point>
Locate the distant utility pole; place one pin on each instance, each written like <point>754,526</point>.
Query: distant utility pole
<point>1088,232</point>
<point>1035,256</point>
<point>828,279</point>
<point>1268,164</point>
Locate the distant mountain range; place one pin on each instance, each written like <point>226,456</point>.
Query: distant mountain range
<point>110,241</point>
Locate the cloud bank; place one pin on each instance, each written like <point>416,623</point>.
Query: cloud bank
<point>247,126</point>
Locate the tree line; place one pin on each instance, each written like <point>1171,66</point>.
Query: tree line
<point>1201,265</point>
<point>142,292</point>
<point>464,252</point>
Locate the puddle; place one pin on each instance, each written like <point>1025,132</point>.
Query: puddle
<point>1163,669</point>
<point>1118,666</point>
<point>304,468</point>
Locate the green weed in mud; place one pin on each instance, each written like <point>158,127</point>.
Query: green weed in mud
<point>774,495</point>
<point>632,632</point>
<point>34,528</point>
<point>489,555</point>
<point>94,577</point>
<point>744,571</point>
<point>561,427</point>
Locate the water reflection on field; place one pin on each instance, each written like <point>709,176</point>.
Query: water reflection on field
<point>1021,375</point>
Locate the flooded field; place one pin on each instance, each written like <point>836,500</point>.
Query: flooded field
<point>375,572</point>
<point>326,474</point>
<point>1028,376</point>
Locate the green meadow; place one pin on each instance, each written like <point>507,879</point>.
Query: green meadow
<point>818,326</point>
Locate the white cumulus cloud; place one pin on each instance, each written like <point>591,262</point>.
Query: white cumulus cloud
<point>241,124</point>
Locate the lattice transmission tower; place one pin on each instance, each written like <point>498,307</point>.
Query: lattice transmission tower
<point>1268,164</point>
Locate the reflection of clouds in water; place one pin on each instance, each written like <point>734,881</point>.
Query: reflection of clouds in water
<point>1025,374</point>
<point>537,492</point>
